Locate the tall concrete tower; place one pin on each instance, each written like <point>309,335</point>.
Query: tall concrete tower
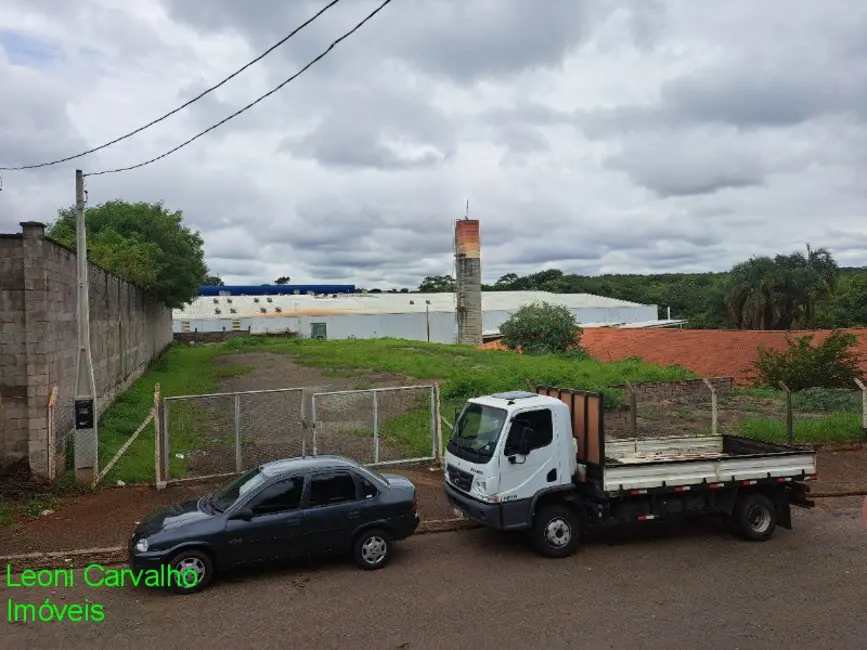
<point>468,281</point>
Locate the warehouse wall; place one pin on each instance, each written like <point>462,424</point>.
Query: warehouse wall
<point>39,339</point>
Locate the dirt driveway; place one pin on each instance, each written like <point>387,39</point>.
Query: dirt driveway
<point>278,424</point>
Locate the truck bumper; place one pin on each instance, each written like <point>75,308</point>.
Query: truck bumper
<point>486,514</point>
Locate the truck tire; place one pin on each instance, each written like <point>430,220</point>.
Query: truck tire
<point>556,531</point>
<point>754,517</point>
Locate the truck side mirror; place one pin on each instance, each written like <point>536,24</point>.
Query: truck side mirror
<point>525,440</point>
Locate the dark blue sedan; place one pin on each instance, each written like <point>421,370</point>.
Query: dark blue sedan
<point>282,509</point>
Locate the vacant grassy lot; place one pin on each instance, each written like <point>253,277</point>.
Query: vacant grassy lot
<point>462,370</point>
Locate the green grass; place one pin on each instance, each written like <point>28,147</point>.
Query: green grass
<point>181,370</point>
<point>837,427</point>
<point>820,415</point>
<point>464,370</point>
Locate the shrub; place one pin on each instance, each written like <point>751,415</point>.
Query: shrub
<point>541,328</point>
<point>830,364</point>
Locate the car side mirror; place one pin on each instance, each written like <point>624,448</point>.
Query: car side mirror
<point>245,514</point>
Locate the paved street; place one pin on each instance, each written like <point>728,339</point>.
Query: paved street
<point>694,588</point>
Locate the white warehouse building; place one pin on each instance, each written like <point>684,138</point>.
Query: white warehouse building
<point>413,316</point>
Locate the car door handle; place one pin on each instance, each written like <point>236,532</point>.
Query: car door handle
<point>293,522</point>
<point>354,514</point>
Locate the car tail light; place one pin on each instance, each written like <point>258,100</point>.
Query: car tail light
<point>414,503</point>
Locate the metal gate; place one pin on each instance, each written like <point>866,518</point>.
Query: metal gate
<point>219,434</point>
<point>377,426</point>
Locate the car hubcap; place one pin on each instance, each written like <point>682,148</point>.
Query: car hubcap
<point>191,570</point>
<point>374,550</point>
<point>558,532</point>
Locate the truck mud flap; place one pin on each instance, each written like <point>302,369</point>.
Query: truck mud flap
<point>798,495</point>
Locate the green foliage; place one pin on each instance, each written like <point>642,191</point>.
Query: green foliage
<point>541,328</point>
<point>464,371</point>
<point>780,293</point>
<point>214,281</point>
<point>830,364</point>
<point>836,427</point>
<point>283,279</point>
<point>807,288</point>
<point>437,284</point>
<point>142,243</point>
<point>181,370</point>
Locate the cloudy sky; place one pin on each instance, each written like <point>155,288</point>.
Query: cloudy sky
<point>588,135</point>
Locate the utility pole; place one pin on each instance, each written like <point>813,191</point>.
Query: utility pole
<point>86,461</point>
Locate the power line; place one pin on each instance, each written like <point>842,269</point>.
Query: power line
<point>183,106</point>
<point>251,104</point>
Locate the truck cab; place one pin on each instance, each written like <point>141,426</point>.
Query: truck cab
<point>506,451</point>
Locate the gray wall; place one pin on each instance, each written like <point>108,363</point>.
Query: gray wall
<point>38,339</point>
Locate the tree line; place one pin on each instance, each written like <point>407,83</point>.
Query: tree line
<point>802,290</point>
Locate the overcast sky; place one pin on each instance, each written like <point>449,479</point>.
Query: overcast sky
<point>588,135</point>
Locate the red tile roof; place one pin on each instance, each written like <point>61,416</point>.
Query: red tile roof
<point>708,353</point>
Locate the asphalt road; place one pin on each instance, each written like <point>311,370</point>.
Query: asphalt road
<point>693,587</point>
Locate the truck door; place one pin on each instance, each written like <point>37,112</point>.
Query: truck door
<point>522,476</point>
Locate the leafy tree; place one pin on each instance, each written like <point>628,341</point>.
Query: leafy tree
<point>830,364</point>
<point>780,293</point>
<point>142,243</point>
<point>214,281</point>
<point>541,328</point>
<point>437,284</point>
<point>283,279</point>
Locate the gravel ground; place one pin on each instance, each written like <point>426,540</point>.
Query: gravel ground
<point>695,587</point>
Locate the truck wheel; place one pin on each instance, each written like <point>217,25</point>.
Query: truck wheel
<point>754,517</point>
<point>556,531</point>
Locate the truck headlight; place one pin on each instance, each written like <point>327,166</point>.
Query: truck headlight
<point>141,546</point>
<point>481,486</point>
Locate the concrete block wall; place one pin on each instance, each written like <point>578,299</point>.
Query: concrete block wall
<point>39,339</point>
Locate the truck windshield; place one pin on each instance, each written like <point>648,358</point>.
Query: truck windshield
<point>476,431</point>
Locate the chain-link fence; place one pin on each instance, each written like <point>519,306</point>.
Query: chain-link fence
<point>378,426</point>
<point>706,406</point>
<point>223,433</point>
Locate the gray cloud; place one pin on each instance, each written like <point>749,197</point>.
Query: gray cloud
<point>591,136</point>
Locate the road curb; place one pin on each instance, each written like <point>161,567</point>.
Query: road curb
<point>81,557</point>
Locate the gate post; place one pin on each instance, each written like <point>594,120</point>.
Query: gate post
<point>160,451</point>
<point>238,463</point>
<point>375,427</point>
<point>313,415</point>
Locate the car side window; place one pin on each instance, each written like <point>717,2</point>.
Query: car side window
<point>329,489</point>
<point>368,489</point>
<point>541,426</point>
<point>280,497</point>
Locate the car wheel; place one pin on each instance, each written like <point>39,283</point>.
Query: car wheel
<point>191,571</point>
<point>754,518</point>
<point>372,549</point>
<point>556,531</point>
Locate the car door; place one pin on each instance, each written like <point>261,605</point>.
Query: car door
<point>334,511</point>
<point>275,530</point>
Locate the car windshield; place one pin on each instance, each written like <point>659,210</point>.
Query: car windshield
<point>478,428</point>
<point>228,495</point>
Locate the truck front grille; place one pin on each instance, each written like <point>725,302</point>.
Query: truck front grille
<point>459,478</point>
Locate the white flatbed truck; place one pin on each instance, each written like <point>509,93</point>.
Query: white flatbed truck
<point>539,462</point>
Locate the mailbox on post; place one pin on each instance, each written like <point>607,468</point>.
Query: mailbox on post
<point>84,416</point>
